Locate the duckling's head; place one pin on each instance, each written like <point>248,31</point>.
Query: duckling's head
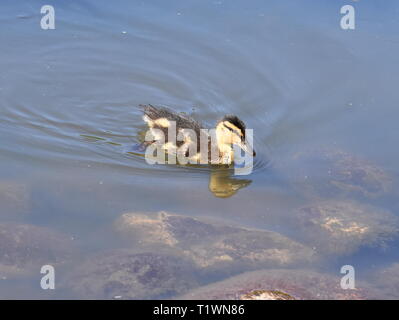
<point>231,130</point>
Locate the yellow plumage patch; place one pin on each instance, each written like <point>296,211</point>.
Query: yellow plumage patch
<point>162,122</point>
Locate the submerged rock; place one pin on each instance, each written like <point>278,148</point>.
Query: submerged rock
<point>387,280</point>
<point>342,227</point>
<point>279,284</point>
<point>266,295</point>
<point>14,198</point>
<point>324,172</point>
<point>25,248</point>
<point>213,246</point>
<point>124,274</point>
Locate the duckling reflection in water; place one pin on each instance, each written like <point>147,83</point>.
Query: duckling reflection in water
<point>194,144</point>
<point>223,185</point>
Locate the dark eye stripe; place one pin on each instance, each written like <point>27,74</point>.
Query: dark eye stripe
<point>232,130</point>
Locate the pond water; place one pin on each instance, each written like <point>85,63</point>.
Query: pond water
<point>69,113</point>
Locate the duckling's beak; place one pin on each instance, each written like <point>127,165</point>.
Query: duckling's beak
<point>247,148</point>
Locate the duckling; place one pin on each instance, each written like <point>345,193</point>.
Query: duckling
<point>230,130</point>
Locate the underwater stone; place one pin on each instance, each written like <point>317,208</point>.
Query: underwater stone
<point>14,198</point>
<point>342,227</point>
<point>293,284</point>
<point>25,248</point>
<point>212,246</point>
<point>126,274</point>
<point>266,295</point>
<point>387,281</point>
<point>324,172</point>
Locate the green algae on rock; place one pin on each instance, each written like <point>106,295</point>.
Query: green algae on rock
<point>342,227</point>
<point>126,274</point>
<point>213,247</point>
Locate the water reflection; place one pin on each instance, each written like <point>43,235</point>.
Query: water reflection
<point>223,184</point>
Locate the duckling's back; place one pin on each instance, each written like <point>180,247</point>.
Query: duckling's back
<point>182,120</point>
<point>161,118</point>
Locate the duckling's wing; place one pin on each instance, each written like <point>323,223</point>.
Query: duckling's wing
<point>160,118</point>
